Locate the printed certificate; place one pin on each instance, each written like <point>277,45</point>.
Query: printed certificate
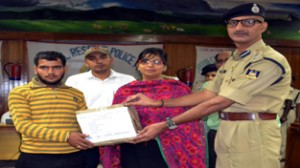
<point>109,125</point>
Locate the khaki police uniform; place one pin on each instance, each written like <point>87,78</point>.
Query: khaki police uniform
<point>257,80</point>
<point>294,96</point>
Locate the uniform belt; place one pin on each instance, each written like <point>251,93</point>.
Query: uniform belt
<point>235,116</point>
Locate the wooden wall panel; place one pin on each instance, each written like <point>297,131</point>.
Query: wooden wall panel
<point>181,51</point>
<point>180,56</point>
<point>12,52</point>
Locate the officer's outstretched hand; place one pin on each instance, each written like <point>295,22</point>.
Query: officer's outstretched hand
<point>141,100</point>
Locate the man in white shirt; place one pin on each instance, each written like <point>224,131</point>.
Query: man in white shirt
<point>98,86</point>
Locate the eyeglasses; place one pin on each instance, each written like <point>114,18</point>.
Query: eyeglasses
<point>245,22</point>
<point>146,62</point>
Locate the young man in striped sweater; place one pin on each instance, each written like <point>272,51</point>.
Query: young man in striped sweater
<point>43,112</point>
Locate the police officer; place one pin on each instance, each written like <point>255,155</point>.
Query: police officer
<point>249,89</point>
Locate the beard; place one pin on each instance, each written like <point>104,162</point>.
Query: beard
<point>101,69</point>
<point>50,83</point>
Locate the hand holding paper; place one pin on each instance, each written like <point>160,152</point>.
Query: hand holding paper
<point>78,140</point>
<point>109,125</point>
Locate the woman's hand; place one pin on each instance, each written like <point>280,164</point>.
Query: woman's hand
<point>150,132</point>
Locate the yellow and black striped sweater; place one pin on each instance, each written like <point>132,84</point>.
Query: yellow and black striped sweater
<point>45,116</point>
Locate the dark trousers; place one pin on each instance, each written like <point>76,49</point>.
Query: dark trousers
<point>92,157</point>
<point>72,160</point>
<point>211,135</point>
<point>142,155</point>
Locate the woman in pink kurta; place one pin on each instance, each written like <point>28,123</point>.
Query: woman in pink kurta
<point>183,147</point>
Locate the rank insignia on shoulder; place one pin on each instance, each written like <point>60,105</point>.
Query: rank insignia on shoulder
<point>252,74</point>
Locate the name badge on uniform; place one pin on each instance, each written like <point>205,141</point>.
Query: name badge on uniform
<point>252,74</point>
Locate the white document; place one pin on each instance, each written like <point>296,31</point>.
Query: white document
<point>109,125</point>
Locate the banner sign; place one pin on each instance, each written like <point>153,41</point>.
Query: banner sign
<point>205,56</point>
<point>124,56</point>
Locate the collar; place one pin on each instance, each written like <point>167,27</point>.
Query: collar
<point>113,74</point>
<point>253,50</point>
<point>237,56</point>
<point>36,83</point>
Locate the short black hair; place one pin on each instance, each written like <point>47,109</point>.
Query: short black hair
<point>156,51</point>
<point>209,68</point>
<point>49,56</point>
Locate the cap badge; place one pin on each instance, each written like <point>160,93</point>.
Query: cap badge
<point>255,8</point>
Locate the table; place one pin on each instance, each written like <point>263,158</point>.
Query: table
<point>9,142</point>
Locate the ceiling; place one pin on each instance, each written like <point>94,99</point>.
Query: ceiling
<point>288,10</point>
<point>201,17</point>
<point>272,1</point>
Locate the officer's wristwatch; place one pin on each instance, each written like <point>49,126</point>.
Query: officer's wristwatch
<point>170,123</point>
